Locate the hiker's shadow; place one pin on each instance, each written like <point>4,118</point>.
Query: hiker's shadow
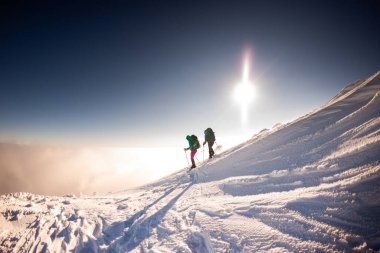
<point>138,230</point>
<point>141,230</point>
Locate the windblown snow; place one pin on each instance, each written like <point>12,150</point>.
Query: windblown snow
<point>312,185</point>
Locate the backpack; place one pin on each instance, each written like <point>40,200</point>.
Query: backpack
<point>209,135</point>
<point>195,141</point>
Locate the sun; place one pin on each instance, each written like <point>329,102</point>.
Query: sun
<point>244,93</point>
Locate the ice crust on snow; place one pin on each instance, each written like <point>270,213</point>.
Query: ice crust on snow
<point>311,185</point>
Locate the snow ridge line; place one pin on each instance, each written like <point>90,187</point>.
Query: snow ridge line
<point>335,99</point>
<point>356,88</point>
<point>360,109</point>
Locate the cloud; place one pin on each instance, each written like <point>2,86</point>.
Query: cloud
<point>59,170</point>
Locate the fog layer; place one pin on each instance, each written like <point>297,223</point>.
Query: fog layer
<point>61,170</point>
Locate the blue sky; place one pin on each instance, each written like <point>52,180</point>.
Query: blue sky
<point>146,73</point>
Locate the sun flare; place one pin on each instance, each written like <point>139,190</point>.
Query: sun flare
<point>245,92</point>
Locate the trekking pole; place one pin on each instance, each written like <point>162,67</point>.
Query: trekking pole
<point>217,147</point>
<point>216,144</point>
<point>203,153</point>
<point>187,159</point>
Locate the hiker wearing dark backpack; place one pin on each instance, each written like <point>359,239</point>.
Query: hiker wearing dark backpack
<point>210,139</point>
<point>193,146</point>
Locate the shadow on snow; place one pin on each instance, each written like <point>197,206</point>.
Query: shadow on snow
<point>138,230</point>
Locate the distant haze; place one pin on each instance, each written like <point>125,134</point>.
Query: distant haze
<point>59,170</point>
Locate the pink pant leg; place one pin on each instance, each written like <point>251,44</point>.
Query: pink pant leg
<point>192,154</point>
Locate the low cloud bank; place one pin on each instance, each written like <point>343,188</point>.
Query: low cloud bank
<point>56,170</point>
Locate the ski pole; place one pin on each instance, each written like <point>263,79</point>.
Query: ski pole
<point>187,159</point>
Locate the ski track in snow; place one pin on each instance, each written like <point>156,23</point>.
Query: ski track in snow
<point>311,185</point>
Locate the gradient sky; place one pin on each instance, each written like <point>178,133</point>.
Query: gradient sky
<point>146,73</point>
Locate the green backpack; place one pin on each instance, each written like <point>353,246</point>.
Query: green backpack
<point>209,135</point>
<point>195,141</point>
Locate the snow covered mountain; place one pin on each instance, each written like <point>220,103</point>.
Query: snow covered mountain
<point>312,185</point>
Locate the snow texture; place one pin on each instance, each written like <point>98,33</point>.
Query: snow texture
<point>311,185</point>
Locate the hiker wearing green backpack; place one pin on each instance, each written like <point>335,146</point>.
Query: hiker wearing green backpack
<point>210,139</point>
<point>193,146</point>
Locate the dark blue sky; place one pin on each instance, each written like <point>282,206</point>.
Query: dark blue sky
<point>142,73</point>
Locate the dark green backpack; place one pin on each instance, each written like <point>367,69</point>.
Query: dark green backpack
<point>195,141</point>
<point>209,135</point>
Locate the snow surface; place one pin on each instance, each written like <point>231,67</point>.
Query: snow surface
<point>311,185</point>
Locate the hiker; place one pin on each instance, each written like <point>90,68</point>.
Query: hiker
<point>210,139</point>
<point>193,146</point>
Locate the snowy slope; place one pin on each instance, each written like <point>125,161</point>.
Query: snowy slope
<point>312,185</point>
